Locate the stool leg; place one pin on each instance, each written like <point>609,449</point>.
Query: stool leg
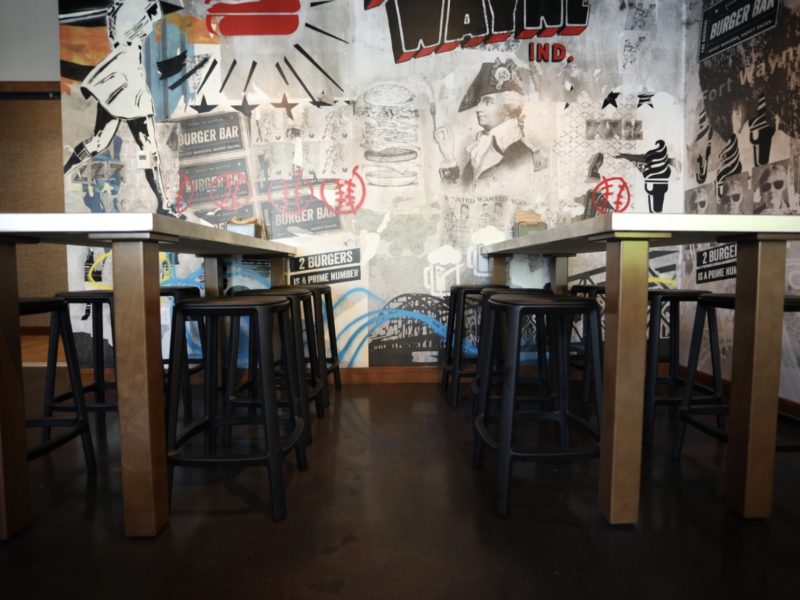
<point>229,386</point>
<point>651,376</point>
<point>674,345</point>
<point>448,344</point>
<point>297,407</point>
<point>541,352</point>
<point>270,417</point>
<point>211,384</point>
<point>504,452</point>
<point>691,369</point>
<point>98,361</point>
<point>587,380</point>
<point>562,380</point>
<point>337,377</point>
<point>485,350</point>
<point>67,338</point>
<point>458,341</point>
<point>716,363</point>
<point>50,377</point>
<point>177,351</point>
<point>315,324</point>
<point>186,384</point>
<point>593,346</point>
<point>300,363</point>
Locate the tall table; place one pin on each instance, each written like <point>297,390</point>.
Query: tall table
<point>136,239</point>
<point>761,266</point>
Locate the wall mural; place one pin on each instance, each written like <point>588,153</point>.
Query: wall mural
<point>742,145</point>
<point>389,141</point>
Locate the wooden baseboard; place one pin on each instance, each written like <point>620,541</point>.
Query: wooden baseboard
<point>431,374</point>
<point>784,405</point>
<point>371,375</point>
<point>34,330</point>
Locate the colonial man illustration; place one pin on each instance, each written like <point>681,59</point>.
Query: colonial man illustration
<point>499,155</point>
<point>119,86</point>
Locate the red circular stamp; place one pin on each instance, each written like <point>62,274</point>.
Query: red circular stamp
<point>347,195</point>
<point>612,194</point>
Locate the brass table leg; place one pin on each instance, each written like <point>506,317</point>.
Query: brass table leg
<point>560,274</point>
<point>15,501</point>
<point>279,271</point>
<point>140,389</point>
<point>212,276</point>
<point>623,380</point>
<point>498,265</point>
<point>758,329</point>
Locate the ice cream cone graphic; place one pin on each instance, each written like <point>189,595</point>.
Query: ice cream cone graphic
<point>656,176</point>
<point>730,164</point>
<point>762,128</point>
<point>705,132</point>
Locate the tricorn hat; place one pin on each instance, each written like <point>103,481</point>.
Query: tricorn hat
<point>499,76</point>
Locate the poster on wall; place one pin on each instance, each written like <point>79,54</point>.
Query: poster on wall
<point>730,22</point>
<point>742,131</point>
<point>416,133</point>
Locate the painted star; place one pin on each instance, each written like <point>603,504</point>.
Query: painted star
<point>285,104</point>
<point>245,108</point>
<point>646,99</point>
<point>610,99</point>
<point>204,106</point>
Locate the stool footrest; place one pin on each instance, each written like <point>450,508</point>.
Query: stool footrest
<point>204,460</point>
<point>78,427</point>
<point>712,431</point>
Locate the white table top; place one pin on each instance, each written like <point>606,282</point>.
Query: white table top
<point>661,229</point>
<point>96,229</point>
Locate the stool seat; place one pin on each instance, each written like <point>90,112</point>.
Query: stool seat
<point>88,295</point>
<point>592,291</point>
<point>555,304</point>
<point>728,301</point>
<point>689,295</point>
<point>229,305</point>
<point>179,292</point>
<point>288,291</point>
<point>35,306</point>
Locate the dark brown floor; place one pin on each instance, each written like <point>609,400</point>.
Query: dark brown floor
<point>392,508</point>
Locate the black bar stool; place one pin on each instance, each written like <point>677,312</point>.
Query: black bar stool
<point>578,352</point>
<point>694,406</point>
<point>509,310</point>
<point>322,296</point>
<point>587,291</point>
<point>657,298</point>
<point>453,362</point>
<point>196,365</point>
<point>94,301</point>
<point>301,312</point>
<point>78,426</point>
<point>261,312</point>
<point>495,354</point>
